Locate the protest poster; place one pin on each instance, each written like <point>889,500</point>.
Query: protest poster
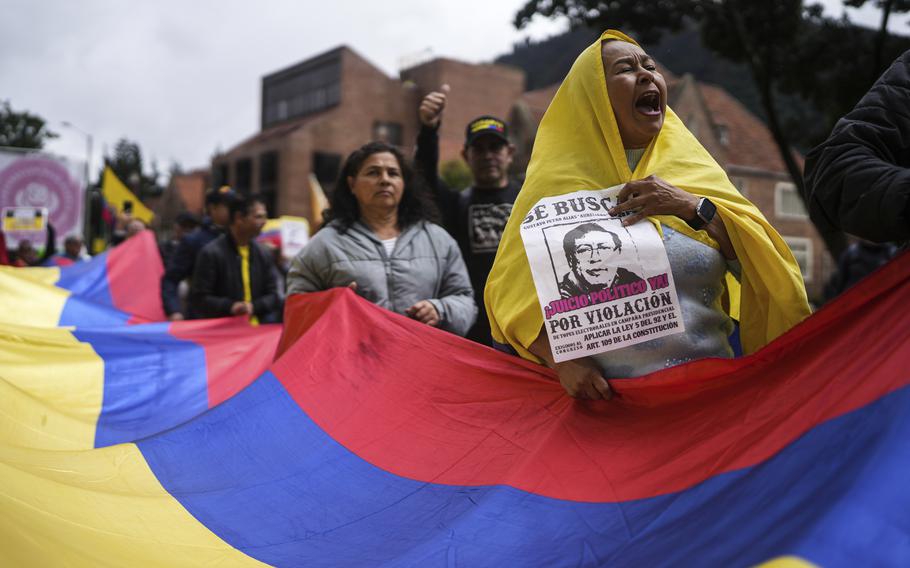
<point>25,224</point>
<point>288,233</point>
<point>601,286</point>
<point>295,234</point>
<point>24,219</point>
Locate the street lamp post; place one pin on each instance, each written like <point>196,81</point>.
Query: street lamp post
<point>87,200</point>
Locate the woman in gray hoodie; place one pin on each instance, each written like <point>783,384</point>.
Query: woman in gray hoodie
<point>378,240</point>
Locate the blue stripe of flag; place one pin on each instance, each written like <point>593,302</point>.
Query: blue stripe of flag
<point>152,381</point>
<point>266,479</point>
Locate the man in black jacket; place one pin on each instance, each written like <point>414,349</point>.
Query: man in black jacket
<point>477,216</point>
<point>858,180</point>
<point>182,262</point>
<point>233,274</point>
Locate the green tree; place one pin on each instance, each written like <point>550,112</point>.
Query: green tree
<point>887,7</point>
<point>175,169</point>
<point>22,129</point>
<point>127,164</point>
<point>787,46</point>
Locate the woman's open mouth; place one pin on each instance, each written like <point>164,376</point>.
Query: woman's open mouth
<point>648,103</point>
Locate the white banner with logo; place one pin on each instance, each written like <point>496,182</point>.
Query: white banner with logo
<point>43,181</point>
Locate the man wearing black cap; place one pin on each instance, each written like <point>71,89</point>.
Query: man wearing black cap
<point>477,216</point>
<point>183,261</point>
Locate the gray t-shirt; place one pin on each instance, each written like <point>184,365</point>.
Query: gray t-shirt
<point>698,271</point>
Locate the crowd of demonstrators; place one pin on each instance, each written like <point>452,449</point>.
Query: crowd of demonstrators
<point>26,254</point>
<point>608,124</point>
<point>233,273</point>
<point>379,239</point>
<point>181,264</point>
<point>476,216</point>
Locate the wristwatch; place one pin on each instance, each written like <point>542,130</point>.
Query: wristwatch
<point>704,213</point>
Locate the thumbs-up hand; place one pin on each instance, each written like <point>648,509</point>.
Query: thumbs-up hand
<point>432,105</point>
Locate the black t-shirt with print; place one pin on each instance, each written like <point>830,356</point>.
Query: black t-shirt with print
<point>475,217</point>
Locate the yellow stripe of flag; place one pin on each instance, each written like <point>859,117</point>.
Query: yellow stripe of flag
<point>51,389</point>
<point>28,295</point>
<point>99,507</point>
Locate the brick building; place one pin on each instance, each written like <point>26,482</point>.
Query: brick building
<point>316,112</point>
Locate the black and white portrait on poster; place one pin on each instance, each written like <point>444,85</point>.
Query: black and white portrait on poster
<point>596,259</point>
<point>601,286</point>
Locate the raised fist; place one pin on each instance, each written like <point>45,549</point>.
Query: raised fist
<point>432,105</point>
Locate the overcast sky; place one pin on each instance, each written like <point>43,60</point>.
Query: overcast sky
<point>182,78</point>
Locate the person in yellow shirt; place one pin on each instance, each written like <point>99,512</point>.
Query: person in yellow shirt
<point>233,275</point>
<point>608,125</point>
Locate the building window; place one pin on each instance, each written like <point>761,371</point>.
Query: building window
<point>788,203</point>
<point>268,181</point>
<point>802,251</point>
<point>388,132</point>
<point>243,175</point>
<point>220,175</point>
<point>305,89</point>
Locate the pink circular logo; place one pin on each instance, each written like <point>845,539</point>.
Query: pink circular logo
<point>42,182</point>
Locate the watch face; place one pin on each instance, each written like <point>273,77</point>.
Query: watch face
<point>706,210</point>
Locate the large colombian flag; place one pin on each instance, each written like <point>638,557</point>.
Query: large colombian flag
<point>374,440</point>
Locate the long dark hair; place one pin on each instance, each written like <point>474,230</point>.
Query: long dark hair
<point>414,206</point>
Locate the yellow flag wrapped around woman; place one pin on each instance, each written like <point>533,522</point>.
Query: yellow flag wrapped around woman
<point>579,146</point>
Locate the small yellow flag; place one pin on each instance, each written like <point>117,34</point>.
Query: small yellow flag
<point>116,194</point>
